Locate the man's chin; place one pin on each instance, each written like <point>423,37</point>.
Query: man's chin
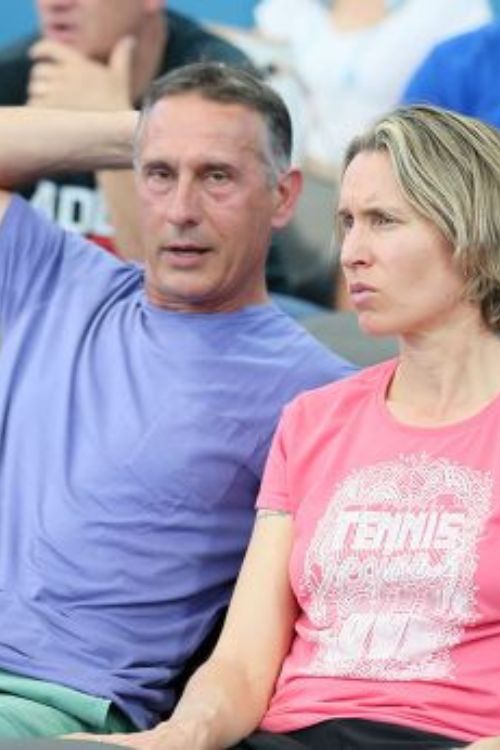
<point>183,298</point>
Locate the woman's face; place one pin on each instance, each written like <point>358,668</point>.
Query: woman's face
<point>398,266</point>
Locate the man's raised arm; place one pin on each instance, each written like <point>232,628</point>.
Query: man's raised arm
<point>37,142</point>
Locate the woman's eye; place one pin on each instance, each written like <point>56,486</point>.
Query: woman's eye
<point>382,219</point>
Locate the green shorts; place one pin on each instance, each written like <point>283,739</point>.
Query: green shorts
<point>33,708</point>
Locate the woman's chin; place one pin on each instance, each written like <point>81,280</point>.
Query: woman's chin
<point>372,325</point>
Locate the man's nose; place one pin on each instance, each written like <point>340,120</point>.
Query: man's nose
<point>184,203</point>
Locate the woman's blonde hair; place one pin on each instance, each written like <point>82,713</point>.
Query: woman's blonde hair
<point>448,167</point>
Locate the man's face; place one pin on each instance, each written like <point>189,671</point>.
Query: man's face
<point>91,26</point>
<point>207,204</point>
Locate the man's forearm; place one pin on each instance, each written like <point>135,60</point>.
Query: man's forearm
<point>119,191</point>
<point>37,142</point>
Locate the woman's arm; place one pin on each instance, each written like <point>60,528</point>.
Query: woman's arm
<point>226,698</point>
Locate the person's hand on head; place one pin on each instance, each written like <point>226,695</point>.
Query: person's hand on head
<point>63,78</point>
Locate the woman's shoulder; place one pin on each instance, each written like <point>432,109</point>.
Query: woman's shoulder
<point>343,393</point>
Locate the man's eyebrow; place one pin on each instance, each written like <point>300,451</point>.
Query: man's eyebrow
<point>156,162</point>
<point>342,213</point>
<point>219,164</point>
<point>216,161</point>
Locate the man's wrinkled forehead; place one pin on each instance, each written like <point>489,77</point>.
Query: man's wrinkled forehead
<point>191,122</point>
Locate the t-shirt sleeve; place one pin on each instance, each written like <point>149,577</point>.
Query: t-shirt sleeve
<point>30,257</point>
<point>34,254</point>
<point>275,492</point>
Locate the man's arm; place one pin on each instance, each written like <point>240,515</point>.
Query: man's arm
<point>119,191</point>
<point>34,143</point>
<point>62,77</point>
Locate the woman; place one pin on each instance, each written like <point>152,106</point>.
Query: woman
<point>367,613</point>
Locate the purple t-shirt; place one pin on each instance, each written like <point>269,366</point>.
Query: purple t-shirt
<point>132,446</point>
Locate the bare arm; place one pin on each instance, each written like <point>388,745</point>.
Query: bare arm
<point>226,698</point>
<point>119,190</point>
<point>37,142</point>
<point>63,77</point>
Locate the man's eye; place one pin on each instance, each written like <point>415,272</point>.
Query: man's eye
<point>345,221</point>
<point>157,175</point>
<point>217,176</point>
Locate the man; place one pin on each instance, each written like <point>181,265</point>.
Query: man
<point>103,54</point>
<point>100,54</point>
<point>136,410</point>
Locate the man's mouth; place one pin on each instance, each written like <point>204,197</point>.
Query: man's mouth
<point>184,256</point>
<point>185,249</point>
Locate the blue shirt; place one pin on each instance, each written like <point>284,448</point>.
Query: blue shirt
<point>462,74</point>
<point>132,445</point>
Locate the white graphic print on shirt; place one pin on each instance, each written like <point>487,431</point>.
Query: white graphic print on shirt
<point>389,572</point>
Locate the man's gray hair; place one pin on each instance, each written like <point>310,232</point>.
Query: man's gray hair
<point>227,84</point>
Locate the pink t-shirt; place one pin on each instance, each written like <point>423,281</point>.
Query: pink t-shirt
<point>395,563</point>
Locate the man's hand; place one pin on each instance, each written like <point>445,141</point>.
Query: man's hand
<point>63,78</point>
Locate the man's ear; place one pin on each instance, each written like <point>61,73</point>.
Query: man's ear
<point>287,192</point>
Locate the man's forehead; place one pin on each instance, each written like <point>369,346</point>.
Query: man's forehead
<point>191,118</point>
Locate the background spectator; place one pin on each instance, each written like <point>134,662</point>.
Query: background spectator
<point>353,58</point>
<point>462,74</point>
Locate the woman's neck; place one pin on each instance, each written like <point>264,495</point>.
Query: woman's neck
<point>445,377</point>
<point>350,15</point>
